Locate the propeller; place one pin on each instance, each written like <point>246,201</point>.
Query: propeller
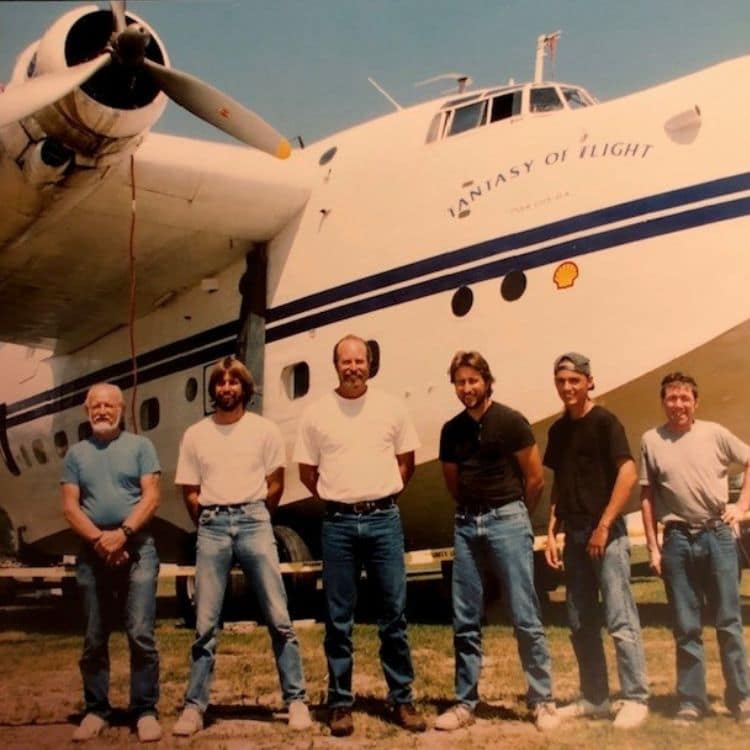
<point>127,48</point>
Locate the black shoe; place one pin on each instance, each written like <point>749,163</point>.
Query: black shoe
<point>407,717</point>
<point>340,721</point>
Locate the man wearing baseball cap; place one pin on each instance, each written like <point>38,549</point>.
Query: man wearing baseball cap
<point>594,473</point>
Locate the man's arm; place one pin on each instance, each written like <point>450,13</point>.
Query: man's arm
<point>81,524</point>
<point>649,527</point>
<point>405,466</point>
<point>308,475</point>
<point>191,497</point>
<point>533,475</point>
<point>450,475</point>
<point>734,512</point>
<point>624,482</point>
<point>275,484</point>
<point>551,553</point>
<point>111,542</point>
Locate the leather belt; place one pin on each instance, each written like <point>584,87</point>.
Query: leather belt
<point>694,528</point>
<point>361,508</point>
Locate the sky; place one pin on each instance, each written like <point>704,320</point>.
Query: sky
<point>303,64</point>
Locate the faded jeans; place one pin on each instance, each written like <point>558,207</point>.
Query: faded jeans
<point>501,539</point>
<point>696,567</point>
<point>349,542</point>
<point>585,579</point>
<point>243,533</point>
<point>105,592</point>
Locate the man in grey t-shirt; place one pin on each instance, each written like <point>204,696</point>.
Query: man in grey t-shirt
<point>683,480</point>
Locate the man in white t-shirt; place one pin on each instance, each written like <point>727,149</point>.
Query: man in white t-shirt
<point>355,450</point>
<point>683,480</point>
<point>231,468</point>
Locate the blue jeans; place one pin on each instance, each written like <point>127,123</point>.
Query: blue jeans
<point>584,580</point>
<point>702,567</point>
<point>500,540</point>
<point>375,541</point>
<point>105,593</point>
<point>242,533</point>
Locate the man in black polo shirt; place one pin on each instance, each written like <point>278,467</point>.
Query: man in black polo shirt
<point>594,474</point>
<point>492,467</point>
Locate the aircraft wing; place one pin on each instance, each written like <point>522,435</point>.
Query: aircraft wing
<point>198,205</point>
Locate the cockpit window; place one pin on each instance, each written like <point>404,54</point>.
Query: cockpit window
<point>545,99</point>
<point>467,118</point>
<point>436,127</point>
<point>505,106</point>
<point>575,98</point>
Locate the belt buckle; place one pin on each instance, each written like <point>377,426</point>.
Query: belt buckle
<point>362,507</point>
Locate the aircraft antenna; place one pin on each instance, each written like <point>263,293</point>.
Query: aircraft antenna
<point>463,81</point>
<point>384,93</point>
<point>546,44</point>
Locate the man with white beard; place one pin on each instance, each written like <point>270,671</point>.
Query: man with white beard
<point>110,492</point>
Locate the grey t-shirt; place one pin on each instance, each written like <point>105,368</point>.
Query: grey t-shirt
<point>688,471</point>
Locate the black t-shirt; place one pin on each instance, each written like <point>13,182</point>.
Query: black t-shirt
<point>488,472</point>
<point>583,453</point>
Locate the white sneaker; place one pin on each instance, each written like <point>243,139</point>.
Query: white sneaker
<point>582,707</point>
<point>456,717</point>
<point>190,722</point>
<point>631,715</point>
<point>299,716</point>
<point>91,726</point>
<point>545,716</point>
<point>148,728</point>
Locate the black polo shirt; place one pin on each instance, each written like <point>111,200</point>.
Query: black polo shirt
<point>488,472</point>
<point>584,453</point>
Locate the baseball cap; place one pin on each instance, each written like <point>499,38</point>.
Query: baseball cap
<point>573,361</point>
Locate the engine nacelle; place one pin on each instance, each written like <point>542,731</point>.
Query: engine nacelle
<point>107,116</point>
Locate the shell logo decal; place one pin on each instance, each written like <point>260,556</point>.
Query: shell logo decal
<point>565,275</point>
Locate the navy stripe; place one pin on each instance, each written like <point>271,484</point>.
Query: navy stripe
<point>551,254</point>
<point>73,393</point>
<point>544,233</point>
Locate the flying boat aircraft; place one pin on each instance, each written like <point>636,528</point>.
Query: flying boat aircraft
<point>522,220</point>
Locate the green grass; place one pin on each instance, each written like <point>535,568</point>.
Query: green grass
<point>41,691</point>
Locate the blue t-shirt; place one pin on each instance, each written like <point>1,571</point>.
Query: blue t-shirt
<point>109,475</point>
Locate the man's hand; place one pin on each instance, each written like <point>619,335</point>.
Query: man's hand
<point>732,514</point>
<point>654,560</point>
<point>551,553</point>
<point>597,542</point>
<point>116,559</point>
<point>110,542</point>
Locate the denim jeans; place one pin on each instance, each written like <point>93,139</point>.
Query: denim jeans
<point>584,580</point>
<point>106,592</point>
<point>241,533</point>
<point>375,541</point>
<point>502,541</point>
<point>698,567</point>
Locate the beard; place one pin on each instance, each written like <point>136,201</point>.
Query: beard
<point>228,402</point>
<point>105,428</point>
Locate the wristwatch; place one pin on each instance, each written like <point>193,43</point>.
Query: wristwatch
<point>127,530</point>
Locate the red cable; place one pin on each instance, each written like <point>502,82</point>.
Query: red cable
<point>131,309</point>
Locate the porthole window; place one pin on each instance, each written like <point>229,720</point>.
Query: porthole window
<point>463,299</point>
<point>60,440</point>
<point>375,353</point>
<point>84,431</point>
<point>191,389</point>
<point>296,380</point>
<point>513,286</point>
<point>149,414</point>
<point>25,456</point>
<point>37,446</point>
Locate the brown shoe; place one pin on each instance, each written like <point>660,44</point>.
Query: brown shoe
<point>340,721</point>
<point>407,717</point>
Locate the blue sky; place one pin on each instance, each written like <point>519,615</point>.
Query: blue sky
<point>303,64</point>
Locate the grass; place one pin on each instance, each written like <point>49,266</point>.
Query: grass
<point>40,685</point>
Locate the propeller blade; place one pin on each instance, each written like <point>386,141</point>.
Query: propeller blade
<point>118,14</point>
<point>23,100</point>
<point>219,110</point>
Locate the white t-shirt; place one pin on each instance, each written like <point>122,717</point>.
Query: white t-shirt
<point>354,443</point>
<point>688,471</point>
<point>230,462</point>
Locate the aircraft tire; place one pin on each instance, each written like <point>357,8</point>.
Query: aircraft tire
<point>185,593</point>
<point>300,588</point>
